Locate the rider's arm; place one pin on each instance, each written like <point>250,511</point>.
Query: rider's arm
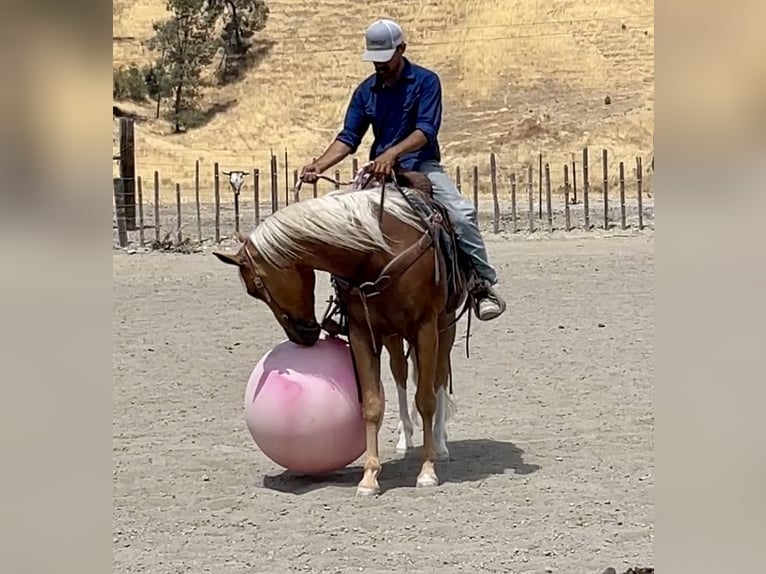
<point>430,108</point>
<point>335,152</point>
<point>412,142</point>
<point>355,125</point>
<point>347,141</point>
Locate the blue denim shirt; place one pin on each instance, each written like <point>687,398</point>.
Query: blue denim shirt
<point>394,112</point>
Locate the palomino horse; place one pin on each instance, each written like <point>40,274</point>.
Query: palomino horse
<point>393,258</point>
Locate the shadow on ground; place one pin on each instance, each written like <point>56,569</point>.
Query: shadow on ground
<point>470,461</point>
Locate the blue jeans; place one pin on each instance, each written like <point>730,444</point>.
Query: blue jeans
<point>463,217</point>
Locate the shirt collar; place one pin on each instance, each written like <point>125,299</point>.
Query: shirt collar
<point>408,75</point>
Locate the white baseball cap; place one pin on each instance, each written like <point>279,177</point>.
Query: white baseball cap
<point>381,40</point>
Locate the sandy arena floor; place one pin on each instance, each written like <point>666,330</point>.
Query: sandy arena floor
<point>552,466</point>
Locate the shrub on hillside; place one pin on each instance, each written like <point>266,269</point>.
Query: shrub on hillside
<point>240,21</point>
<point>128,83</point>
<point>187,43</point>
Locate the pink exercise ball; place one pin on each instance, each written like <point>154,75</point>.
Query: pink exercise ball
<point>302,407</point>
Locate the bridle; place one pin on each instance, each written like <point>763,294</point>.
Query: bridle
<point>303,328</point>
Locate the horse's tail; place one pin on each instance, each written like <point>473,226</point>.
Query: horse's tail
<point>450,405</point>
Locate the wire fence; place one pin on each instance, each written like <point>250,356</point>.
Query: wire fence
<point>529,198</point>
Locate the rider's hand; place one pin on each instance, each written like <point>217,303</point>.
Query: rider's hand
<point>310,172</point>
<point>383,165</point>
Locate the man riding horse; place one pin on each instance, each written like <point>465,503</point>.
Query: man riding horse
<point>402,102</point>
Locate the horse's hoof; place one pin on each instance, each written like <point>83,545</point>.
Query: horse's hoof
<point>367,490</point>
<point>427,480</point>
<point>442,455</point>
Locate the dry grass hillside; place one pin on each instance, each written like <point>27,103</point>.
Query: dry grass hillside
<point>519,77</point>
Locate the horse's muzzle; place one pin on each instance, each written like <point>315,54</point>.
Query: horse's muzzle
<point>304,333</point>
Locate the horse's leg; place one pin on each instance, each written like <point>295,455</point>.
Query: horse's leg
<point>398,363</point>
<point>368,370</point>
<point>446,340</point>
<point>427,348</point>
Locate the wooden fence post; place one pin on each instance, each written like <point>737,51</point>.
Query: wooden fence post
<point>458,183</point>
<point>197,202</point>
<point>495,203</point>
<point>574,180</point>
<point>585,188</point>
<point>639,186</point>
<point>274,185</point>
<point>622,196</point>
<point>531,200</point>
<point>236,210</point>
<point>476,191</point>
<point>514,222</point>
<point>548,199</point>
<point>119,209</point>
<point>140,200</point>
<point>296,190</point>
<point>540,185</point>
<point>314,186</point>
<point>156,206</point>
<point>605,165</point>
<point>217,197</point>
<point>179,235</point>
<point>128,170</point>
<point>256,197</point>
<point>567,215</point>
<point>287,181</point>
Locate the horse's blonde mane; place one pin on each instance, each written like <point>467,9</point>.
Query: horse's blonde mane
<point>346,219</point>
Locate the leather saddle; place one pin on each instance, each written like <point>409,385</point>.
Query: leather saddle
<point>423,201</point>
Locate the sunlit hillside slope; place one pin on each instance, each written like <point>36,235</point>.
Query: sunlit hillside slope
<point>519,77</point>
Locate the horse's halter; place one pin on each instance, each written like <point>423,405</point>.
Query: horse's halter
<point>303,328</point>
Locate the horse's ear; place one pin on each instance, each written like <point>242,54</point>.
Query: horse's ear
<point>230,259</point>
<point>241,237</point>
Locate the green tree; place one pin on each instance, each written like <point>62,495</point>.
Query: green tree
<point>187,43</point>
<point>240,20</point>
<point>128,84</point>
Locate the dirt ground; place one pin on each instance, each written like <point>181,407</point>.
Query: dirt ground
<point>552,465</point>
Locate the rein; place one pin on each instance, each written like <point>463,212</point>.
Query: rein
<point>355,182</point>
